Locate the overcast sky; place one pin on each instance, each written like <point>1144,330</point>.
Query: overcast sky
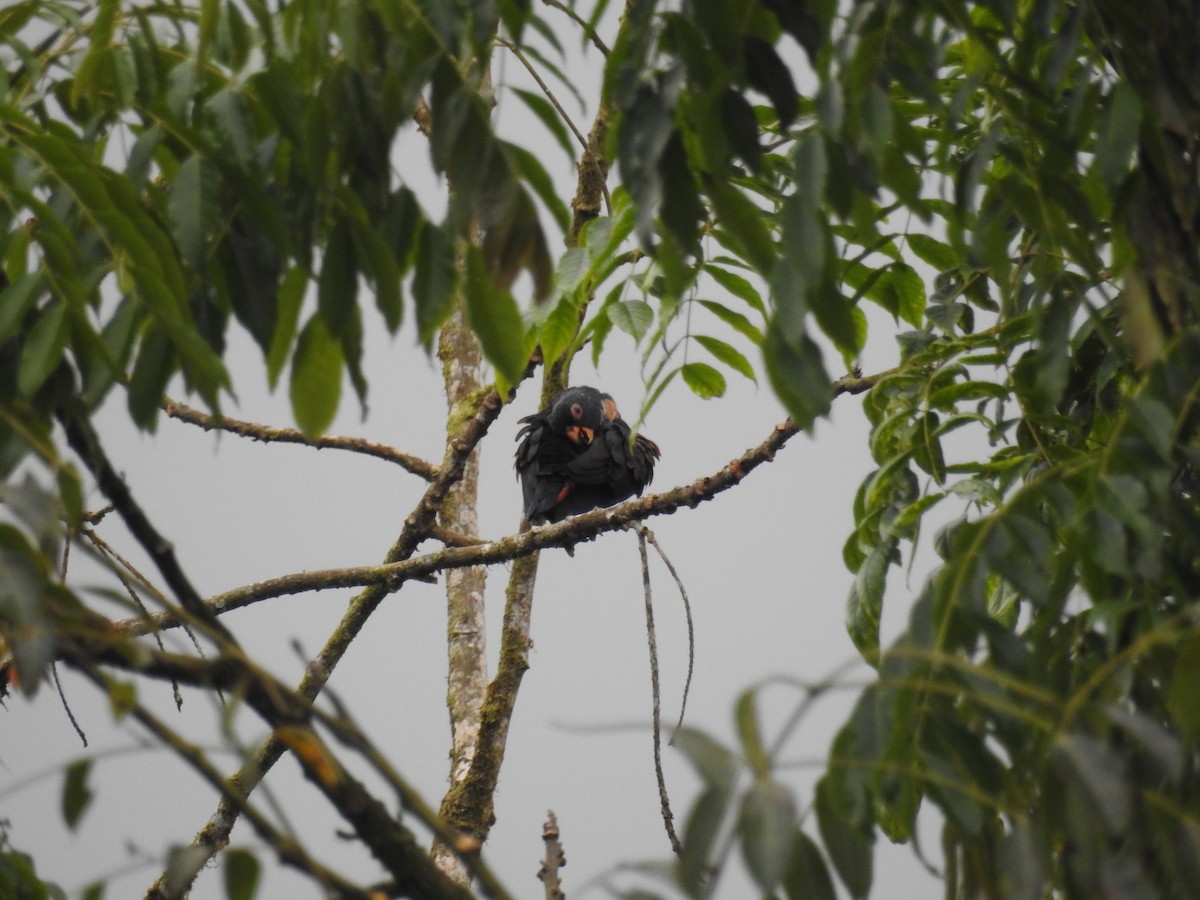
<point>762,565</point>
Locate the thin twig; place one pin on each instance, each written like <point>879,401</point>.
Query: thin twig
<point>67,706</point>
<point>267,433</point>
<point>118,562</point>
<point>288,850</point>
<point>687,609</point>
<point>516,51</point>
<point>82,438</point>
<point>587,29</point>
<point>656,721</point>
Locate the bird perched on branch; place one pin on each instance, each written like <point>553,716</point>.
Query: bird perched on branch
<point>578,454</point>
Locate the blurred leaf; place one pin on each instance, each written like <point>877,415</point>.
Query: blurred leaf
<point>807,876</point>
<point>544,110</point>
<point>1098,771</point>
<point>745,715</point>
<point>798,376</point>
<point>242,872</point>
<point>849,847</point>
<point>497,323</point>
<point>291,296</point>
<point>193,207</point>
<point>715,764</point>
<point>703,825</point>
<point>16,300</point>
<point>315,388</point>
<point>43,349</point>
<point>77,793</point>
<point>766,826</point>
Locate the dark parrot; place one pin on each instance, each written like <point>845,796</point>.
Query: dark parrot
<point>578,454</point>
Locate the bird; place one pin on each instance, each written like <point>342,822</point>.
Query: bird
<point>578,454</point>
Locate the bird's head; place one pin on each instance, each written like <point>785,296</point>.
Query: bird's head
<point>578,413</point>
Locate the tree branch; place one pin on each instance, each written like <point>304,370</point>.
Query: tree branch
<point>267,433</point>
<point>418,525</point>
<point>86,443</point>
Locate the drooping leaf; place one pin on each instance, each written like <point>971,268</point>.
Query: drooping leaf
<point>766,825</point>
<point>703,379</point>
<point>242,872</point>
<point>77,794</point>
<point>496,321</point>
<point>315,388</point>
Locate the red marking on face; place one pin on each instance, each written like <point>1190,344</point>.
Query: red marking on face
<point>610,409</point>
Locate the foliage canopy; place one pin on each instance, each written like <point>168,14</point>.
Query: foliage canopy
<point>1013,182</point>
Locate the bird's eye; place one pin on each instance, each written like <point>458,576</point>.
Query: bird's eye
<point>576,411</point>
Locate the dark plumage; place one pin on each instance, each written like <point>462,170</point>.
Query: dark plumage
<point>577,454</point>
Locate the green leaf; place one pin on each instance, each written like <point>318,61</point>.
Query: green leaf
<point>807,876</point>
<point>193,207</point>
<point>745,222</point>
<point>703,379</point>
<point>737,285</point>
<point>558,331</point>
<point>544,110</point>
<point>572,269</point>
<point>496,321</point>
<point>765,831</point>
<point>727,354</point>
<point>703,826</point>
<point>1184,687</point>
<point>16,300</point>
<point>714,763</point>
<point>734,320</point>
<point>1118,134</point>
<point>539,179</point>
<point>99,46</point>
<point>242,872</point>
<point>77,794</point>
<point>865,606</point>
<point>291,296</point>
<point>745,716</point>
<point>798,376</point>
<point>434,281</point>
<point>634,317</point>
<point>932,251</point>
<point>848,845</point>
<point>43,349</point>
<point>1098,771</point>
<point>316,383</point>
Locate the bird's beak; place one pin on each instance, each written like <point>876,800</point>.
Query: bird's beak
<point>580,435</point>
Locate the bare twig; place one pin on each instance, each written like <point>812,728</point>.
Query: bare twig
<point>587,29</point>
<point>86,443</point>
<point>687,609</point>
<point>470,430</point>
<point>268,433</point>
<point>288,850</point>
<point>524,60</point>
<point>67,706</point>
<point>656,720</point>
<point>554,859</point>
<point>120,566</point>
